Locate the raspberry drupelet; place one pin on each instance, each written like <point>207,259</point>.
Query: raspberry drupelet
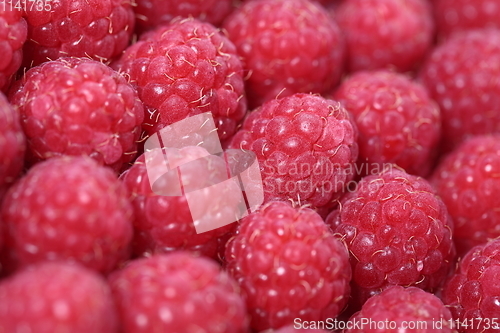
<point>13,33</point>
<point>287,46</point>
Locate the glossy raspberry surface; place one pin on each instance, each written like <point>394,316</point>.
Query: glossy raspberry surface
<point>461,76</point>
<point>67,208</point>
<point>397,121</point>
<point>385,33</point>
<point>287,46</point>
<point>99,29</point>
<point>467,180</point>
<point>13,33</point>
<point>184,69</point>
<point>398,232</point>
<point>78,106</point>
<point>177,293</point>
<point>289,265</point>
<point>306,146</point>
<point>57,297</point>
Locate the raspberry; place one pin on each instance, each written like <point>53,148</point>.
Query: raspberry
<point>99,29</point>
<point>288,46</point>
<point>56,297</point>
<point>398,232</point>
<point>13,32</point>
<point>177,293</point>
<point>153,13</point>
<point>473,291</point>
<point>289,265</point>
<point>460,15</point>
<point>397,121</point>
<point>77,106</point>
<point>385,33</point>
<point>306,147</point>
<point>467,181</point>
<point>67,208</point>
<point>461,76</point>
<point>292,329</point>
<point>164,223</point>
<point>12,145</point>
<point>184,69</point>
<point>402,310</point>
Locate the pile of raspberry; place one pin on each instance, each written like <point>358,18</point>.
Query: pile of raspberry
<point>249,166</point>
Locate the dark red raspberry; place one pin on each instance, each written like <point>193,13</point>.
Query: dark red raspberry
<point>67,208</point>
<point>467,181</point>
<point>385,33</point>
<point>12,145</point>
<point>473,291</point>
<point>460,15</point>
<point>399,309</point>
<point>288,46</point>
<point>57,297</point>
<point>177,293</point>
<point>184,69</point>
<point>153,13</point>
<point>306,146</point>
<point>397,121</point>
<point>99,29</point>
<point>398,232</point>
<point>461,75</point>
<point>289,265</point>
<point>165,223</point>
<point>13,32</point>
<point>77,106</point>
<point>292,329</point>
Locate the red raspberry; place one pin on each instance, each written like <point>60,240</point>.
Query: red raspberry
<point>473,291</point>
<point>467,181</point>
<point>385,33</point>
<point>13,32</point>
<point>67,208</point>
<point>57,297</point>
<point>289,265</point>
<point>460,15</point>
<point>398,232</point>
<point>306,146</point>
<point>77,106</point>
<point>461,76</point>
<point>177,293</point>
<point>292,329</point>
<point>153,13</point>
<point>184,69</point>
<point>12,145</point>
<point>164,223</point>
<point>288,46</point>
<point>399,309</point>
<point>99,29</point>
<point>397,121</point>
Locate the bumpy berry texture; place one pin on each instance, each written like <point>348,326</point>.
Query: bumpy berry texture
<point>288,46</point>
<point>461,76</point>
<point>12,145</point>
<point>460,15</point>
<point>289,265</point>
<point>165,223</point>
<point>468,181</point>
<point>292,329</point>
<point>398,232</point>
<point>385,33</point>
<point>153,13</point>
<point>177,293</point>
<point>99,29</point>
<point>410,308</point>
<point>306,146</point>
<point>473,291</point>
<point>13,33</point>
<point>397,121</point>
<point>78,106</point>
<point>57,297</point>
<point>67,208</point>
<point>184,69</point>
